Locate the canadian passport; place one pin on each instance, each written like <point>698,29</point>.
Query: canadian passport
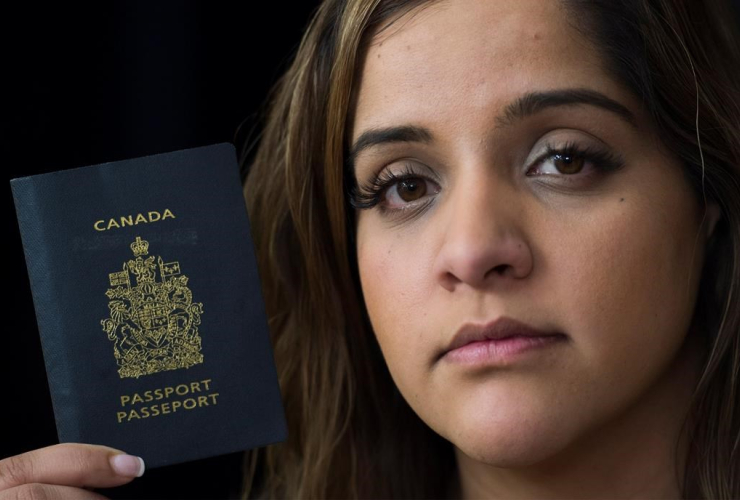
<point>149,306</point>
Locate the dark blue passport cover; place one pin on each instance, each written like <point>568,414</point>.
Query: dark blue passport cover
<point>149,306</point>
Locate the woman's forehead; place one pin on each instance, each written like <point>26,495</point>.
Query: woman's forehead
<point>441,37</point>
<point>457,60</point>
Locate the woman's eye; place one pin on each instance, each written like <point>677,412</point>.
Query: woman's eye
<point>569,162</point>
<point>394,192</point>
<point>563,164</point>
<point>407,191</point>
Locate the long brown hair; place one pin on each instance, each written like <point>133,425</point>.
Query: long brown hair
<point>351,434</point>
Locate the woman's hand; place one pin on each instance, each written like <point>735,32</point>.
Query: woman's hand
<point>66,471</point>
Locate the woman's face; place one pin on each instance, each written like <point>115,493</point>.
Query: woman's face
<point>606,250</point>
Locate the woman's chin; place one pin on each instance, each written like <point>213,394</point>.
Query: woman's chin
<point>509,437</point>
<point>512,450</point>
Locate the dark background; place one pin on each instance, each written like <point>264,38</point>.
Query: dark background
<point>111,81</point>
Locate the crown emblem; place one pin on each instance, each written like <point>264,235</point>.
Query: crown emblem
<point>140,247</point>
<point>153,323</point>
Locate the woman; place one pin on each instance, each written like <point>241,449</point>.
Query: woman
<point>431,164</point>
<point>499,249</point>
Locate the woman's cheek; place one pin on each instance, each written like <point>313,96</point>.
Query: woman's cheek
<point>628,310</point>
<point>396,295</point>
<point>382,287</point>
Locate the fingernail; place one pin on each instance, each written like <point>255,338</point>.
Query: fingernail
<point>127,465</point>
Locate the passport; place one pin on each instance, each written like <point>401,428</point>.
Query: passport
<point>149,306</point>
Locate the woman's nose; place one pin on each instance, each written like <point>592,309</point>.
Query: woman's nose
<point>484,240</point>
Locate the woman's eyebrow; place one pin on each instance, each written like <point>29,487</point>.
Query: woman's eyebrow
<point>526,105</point>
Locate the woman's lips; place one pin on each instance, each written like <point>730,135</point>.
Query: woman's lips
<point>504,350</point>
<point>503,336</point>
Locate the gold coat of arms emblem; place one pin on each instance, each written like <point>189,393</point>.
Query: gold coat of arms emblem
<point>153,324</point>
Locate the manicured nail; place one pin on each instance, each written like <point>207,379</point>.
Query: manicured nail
<point>127,465</point>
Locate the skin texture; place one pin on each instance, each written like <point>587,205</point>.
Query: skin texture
<point>612,260</point>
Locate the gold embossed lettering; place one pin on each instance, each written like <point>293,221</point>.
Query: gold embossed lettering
<point>133,219</point>
<point>175,394</point>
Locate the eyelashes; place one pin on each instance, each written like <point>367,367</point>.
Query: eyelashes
<point>368,195</point>
<point>602,160</point>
